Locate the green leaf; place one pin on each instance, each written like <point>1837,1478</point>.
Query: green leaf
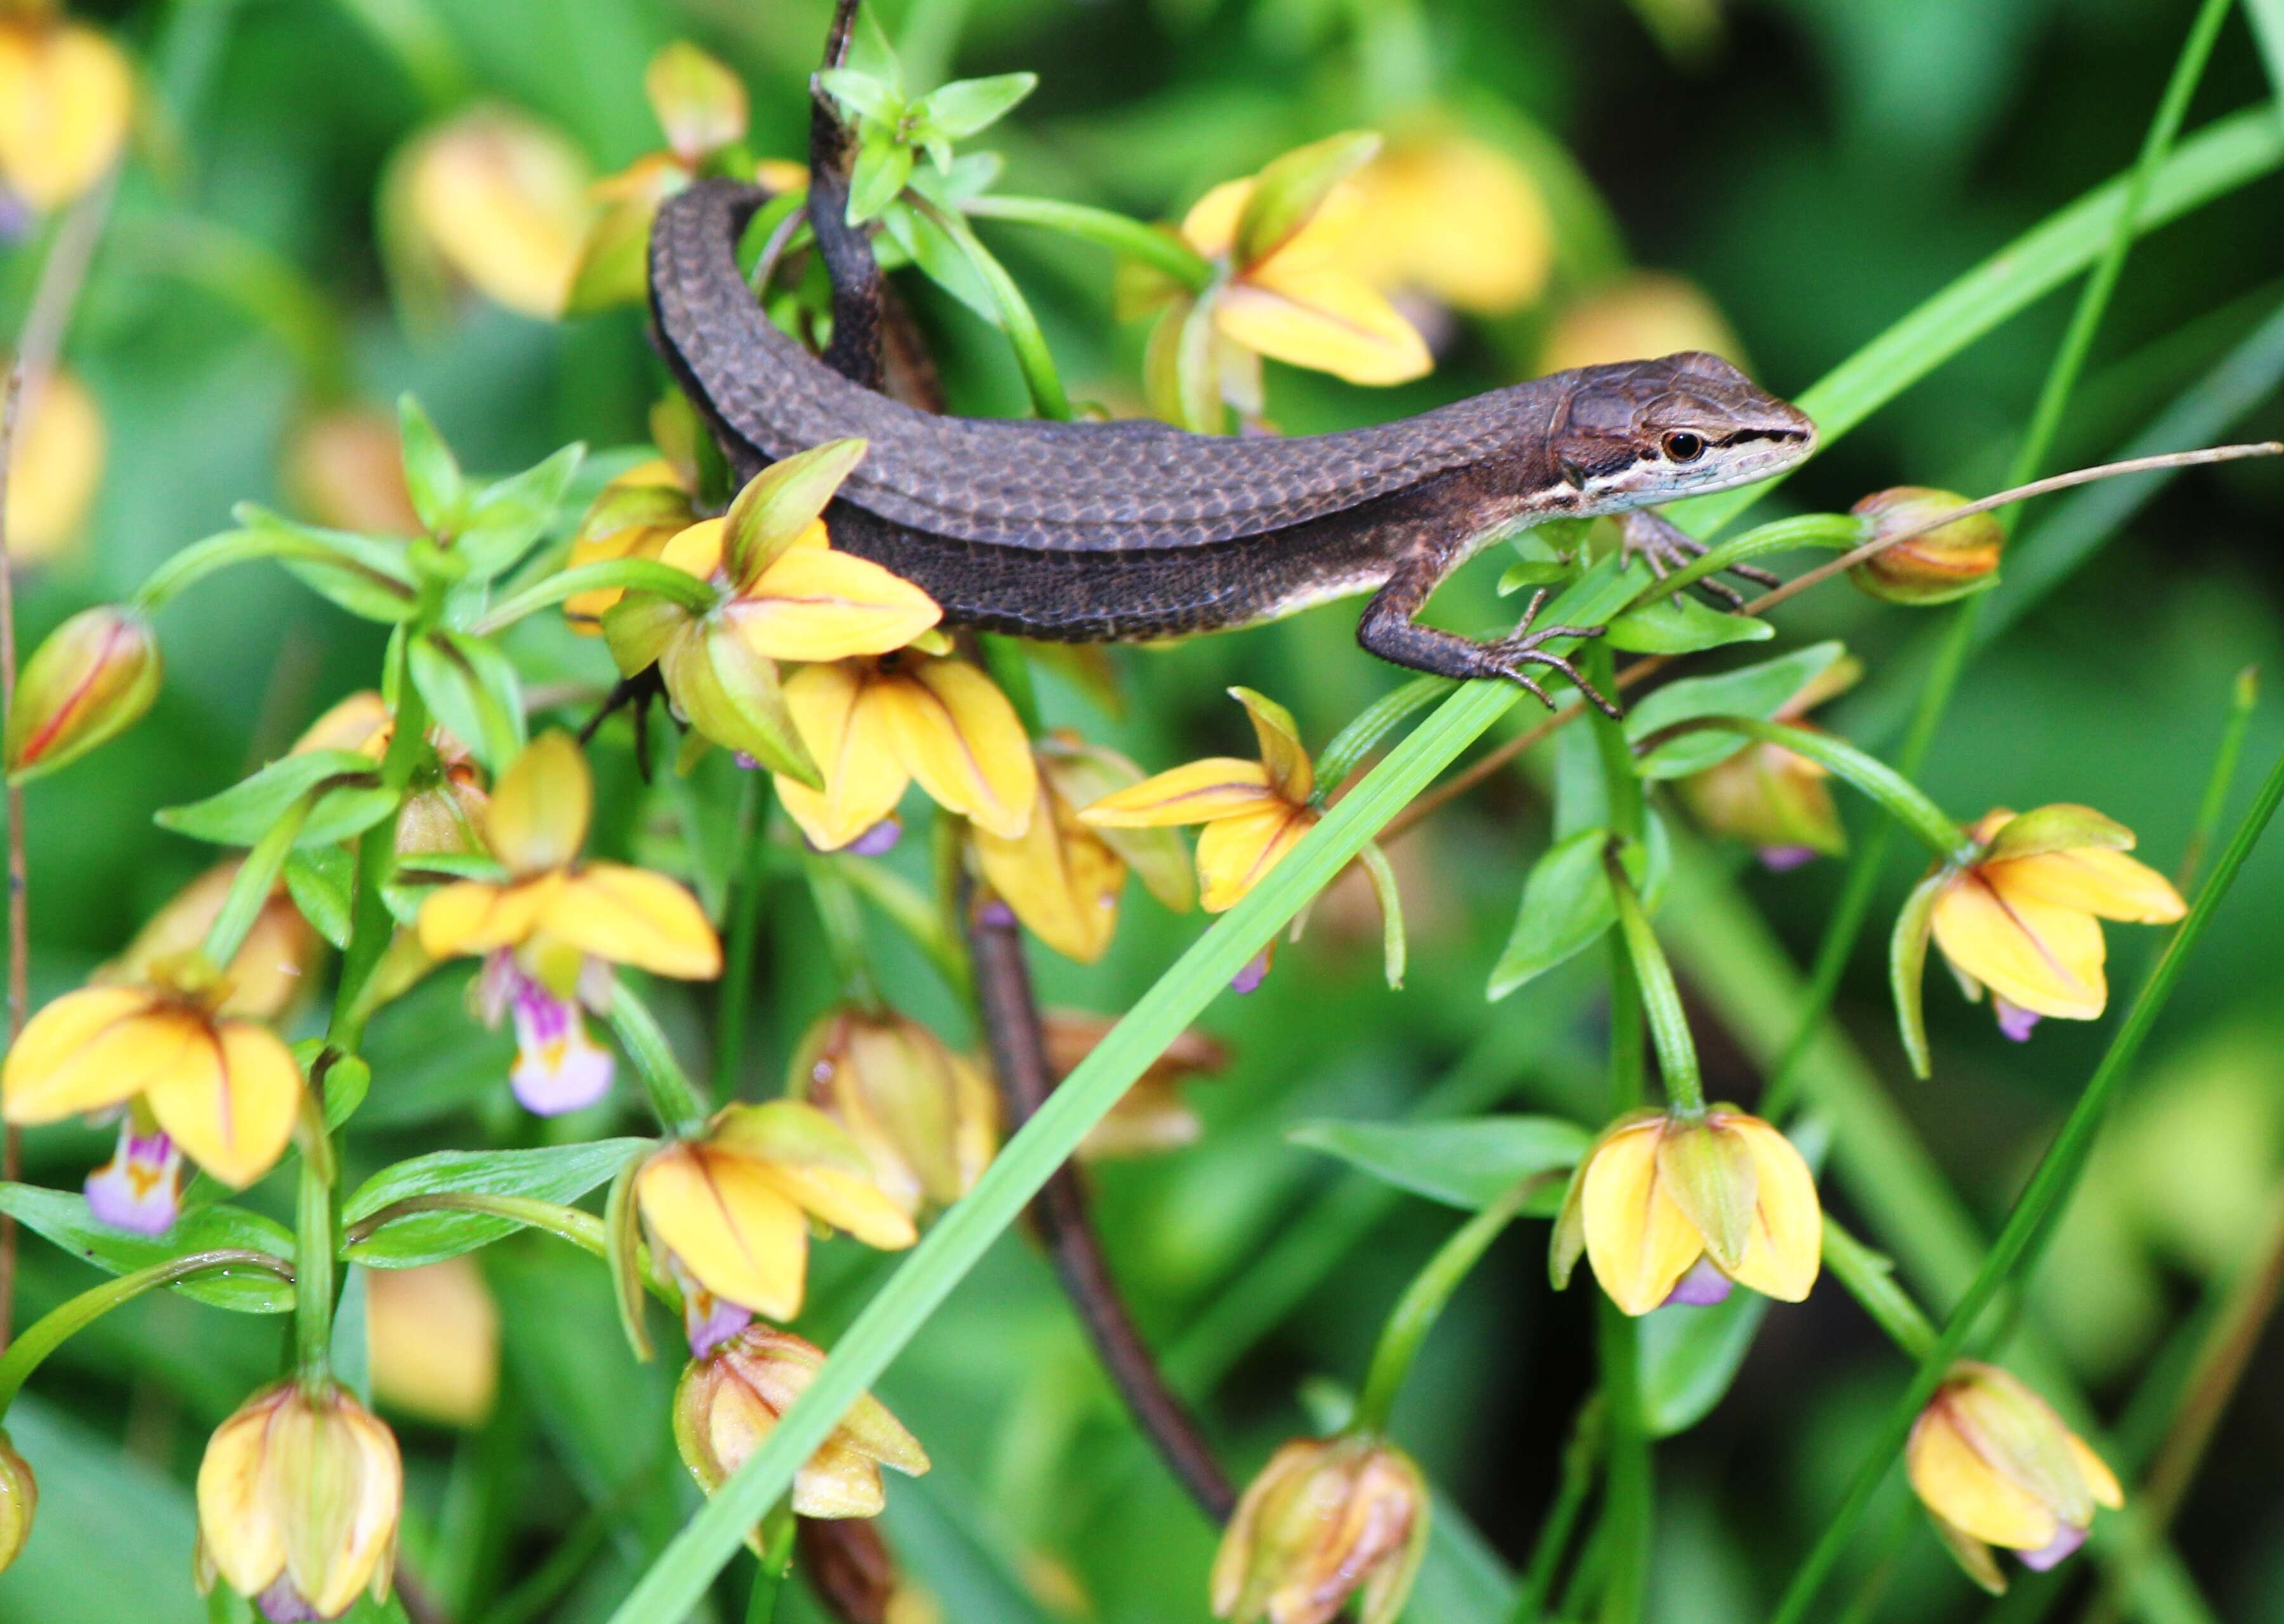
<point>371,579</point>
<point>473,692</point>
<point>557,1173</point>
<point>505,518</point>
<point>322,882</point>
<point>1467,1162</point>
<point>1669,626</point>
<point>967,106</point>
<point>863,94</point>
<point>63,1218</point>
<point>938,258</point>
<point>1536,573</point>
<point>1566,905</point>
<point>349,800</point>
<point>883,165</point>
<point>432,473</point>
<point>1752,690</point>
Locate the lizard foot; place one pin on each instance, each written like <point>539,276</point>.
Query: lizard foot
<point>1663,545</point>
<point>1513,655</point>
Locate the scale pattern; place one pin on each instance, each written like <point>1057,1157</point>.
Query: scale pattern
<point>1043,486</point>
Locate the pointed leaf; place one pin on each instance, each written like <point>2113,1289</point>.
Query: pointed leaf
<point>967,106</point>
<point>1754,690</point>
<point>432,473</point>
<point>561,1173</point>
<point>63,1218</point>
<point>345,786</point>
<point>1566,905</point>
<point>475,693</point>
<point>863,94</point>
<point>1465,1162</point>
<point>1668,626</point>
<point>371,579</point>
<point>883,165</point>
<point>504,519</point>
<point>321,881</point>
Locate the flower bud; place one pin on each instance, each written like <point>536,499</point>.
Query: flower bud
<point>1996,1466</point>
<point>1325,1518</point>
<point>19,1497</point>
<point>92,678</point>
<point>729,1402</point>
<point>496,200</point>
<point>1947,562</point>
<point>298,1497</point>
<point>926,1119</point>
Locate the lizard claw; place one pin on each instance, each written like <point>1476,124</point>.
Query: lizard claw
<point>1513,655</point>
<point>1663,545</point>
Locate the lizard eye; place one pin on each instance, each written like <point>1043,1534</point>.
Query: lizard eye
<point>1681,446</point>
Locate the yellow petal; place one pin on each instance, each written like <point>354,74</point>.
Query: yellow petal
<point>2101,1482</point>
<point>66,99</point>
<point>1786,1245</point>
<point>540,807</point>
<point>729,1225</point>
<point>1058,877</point>
<point>1636,1239</point>
<point>816,605</point>
<point>847,737</point>
<point>956,733</point>
<point>1235,853</point>
<point>474,916</point>
<point>235,1115</point>
<point>1960,1486</point>
<point>1291,773</point>
<point>2044,958</point>
<point>113,1062</point>
<point>837,1482</point>
<point>241,1537</point>
<point>696,550</point>
<point>1210,227</point>
<point>631,916</point>
<point>1321,316</point>
<point>48,1052</point>
<point>1458,219</point>
<point>1219,786</point>
<point>371,1546</point>
<point>847,1201</point>
<point>2092,879</point>
<point>502,199</point>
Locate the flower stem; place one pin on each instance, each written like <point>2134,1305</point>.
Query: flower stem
<point>734,994</point>
<point>1871,1279</point>
<point>1422,1303</point>
<point>1032,356</point>
<point>1660,998</point>
<point>844,928</point>
<point>48,1332</point>
<point>629,575</point>
<point>251,885</point>
<point>674,1098</point>
<point>314,1249</point>
<point>1102,227</point>
<point>775,1564</point>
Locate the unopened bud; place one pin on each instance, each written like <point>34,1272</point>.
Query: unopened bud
<point>1325,1519</point>
<point>1947,562</point>
<point>92,678</point>
<point>19,1497</point>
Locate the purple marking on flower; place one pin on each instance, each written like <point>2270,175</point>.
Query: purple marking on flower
<point>710,1320</point>
<point>140,1189</point>
<point>16,218</point>
<point>558,1066</point>
<point>877,842</point>
<point>1255,971</point>
<point>997,915</point>
<point>749,762</point>
<point>1701,1288</point>
<point>282,1603</point>
<point>2067,1539</point>
<point>1783,859</point>
<point>2015,1021</point>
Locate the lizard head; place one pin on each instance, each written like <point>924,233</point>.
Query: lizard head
<point>1648,431</point>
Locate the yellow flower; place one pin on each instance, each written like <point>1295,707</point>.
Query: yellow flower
<point>926,1120</point>
<point>633,517</point>
<point>1325,1518</point>
<point>20,1498</point>
<point>729,1402</point>
<point>1281,289</point>
<point>1996,1466</point>
<point>67,97</point>
<point>1659,1192</point>
<point>874,726</point>
<point>730,1209</point>
<point>299,1495</point>
<point>1060,877</point>
<point>58,462</point>
<point>2023,918</point>
<point>1254,812</point>
<point>547,931</point>
<point>443,812</point>
<point>266,979</point>
<point>434,1336</point>
<point>496,198</point>
<point>1649,313</point>
<point>224,1088</point>
<point>1453,218</point>
<point>343,468</point>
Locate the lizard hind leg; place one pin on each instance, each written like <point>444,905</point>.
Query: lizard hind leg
<point>1388,630</point>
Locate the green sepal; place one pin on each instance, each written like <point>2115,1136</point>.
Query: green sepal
<point>732,696</point>
<point>1713,1179</point>
<point>559,1174</point>
<point>1907,949</point>
<point>778,504</point>
<point>2058,828</point>
<point>1293,188</point>
<point>346,787</point>
<point>622,1255</point>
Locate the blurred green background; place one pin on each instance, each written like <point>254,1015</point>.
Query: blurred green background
<point>1815,167</point>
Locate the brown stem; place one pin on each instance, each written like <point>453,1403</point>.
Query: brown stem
<point>1011,1024</point>
<point>855,349</point>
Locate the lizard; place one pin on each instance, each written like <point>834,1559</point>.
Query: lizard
<point>1099,532</point>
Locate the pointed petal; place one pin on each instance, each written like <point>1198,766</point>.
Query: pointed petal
<point>956,733</point>
<point>631,916</point>
<point>2093,880</point>
<point>1786,1246</point>
<point>1320,316</point>
<point>1219,786</point>
<point>539,809</point>
<point>127,1057</point>
<point>1060,876</point>
<point>2044,958</point>
<point>846,1201</point>
<point>45,1078</point>
<point>474,916</point>
<point>233,1111</point>
<point>2101,1482</point>
<point>1636,1239</point>
<point>1290,772</point>
<point>1235,853</point>
<point>814,604</point>
<point>847,737</point>
<point>1210,227</point>
<point>837,1482</point>
<point>240,1535</point>
<point>729,1225</point>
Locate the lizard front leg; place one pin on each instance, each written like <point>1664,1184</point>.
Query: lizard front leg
<point>1649,536</point>
<point>1389,629</point>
